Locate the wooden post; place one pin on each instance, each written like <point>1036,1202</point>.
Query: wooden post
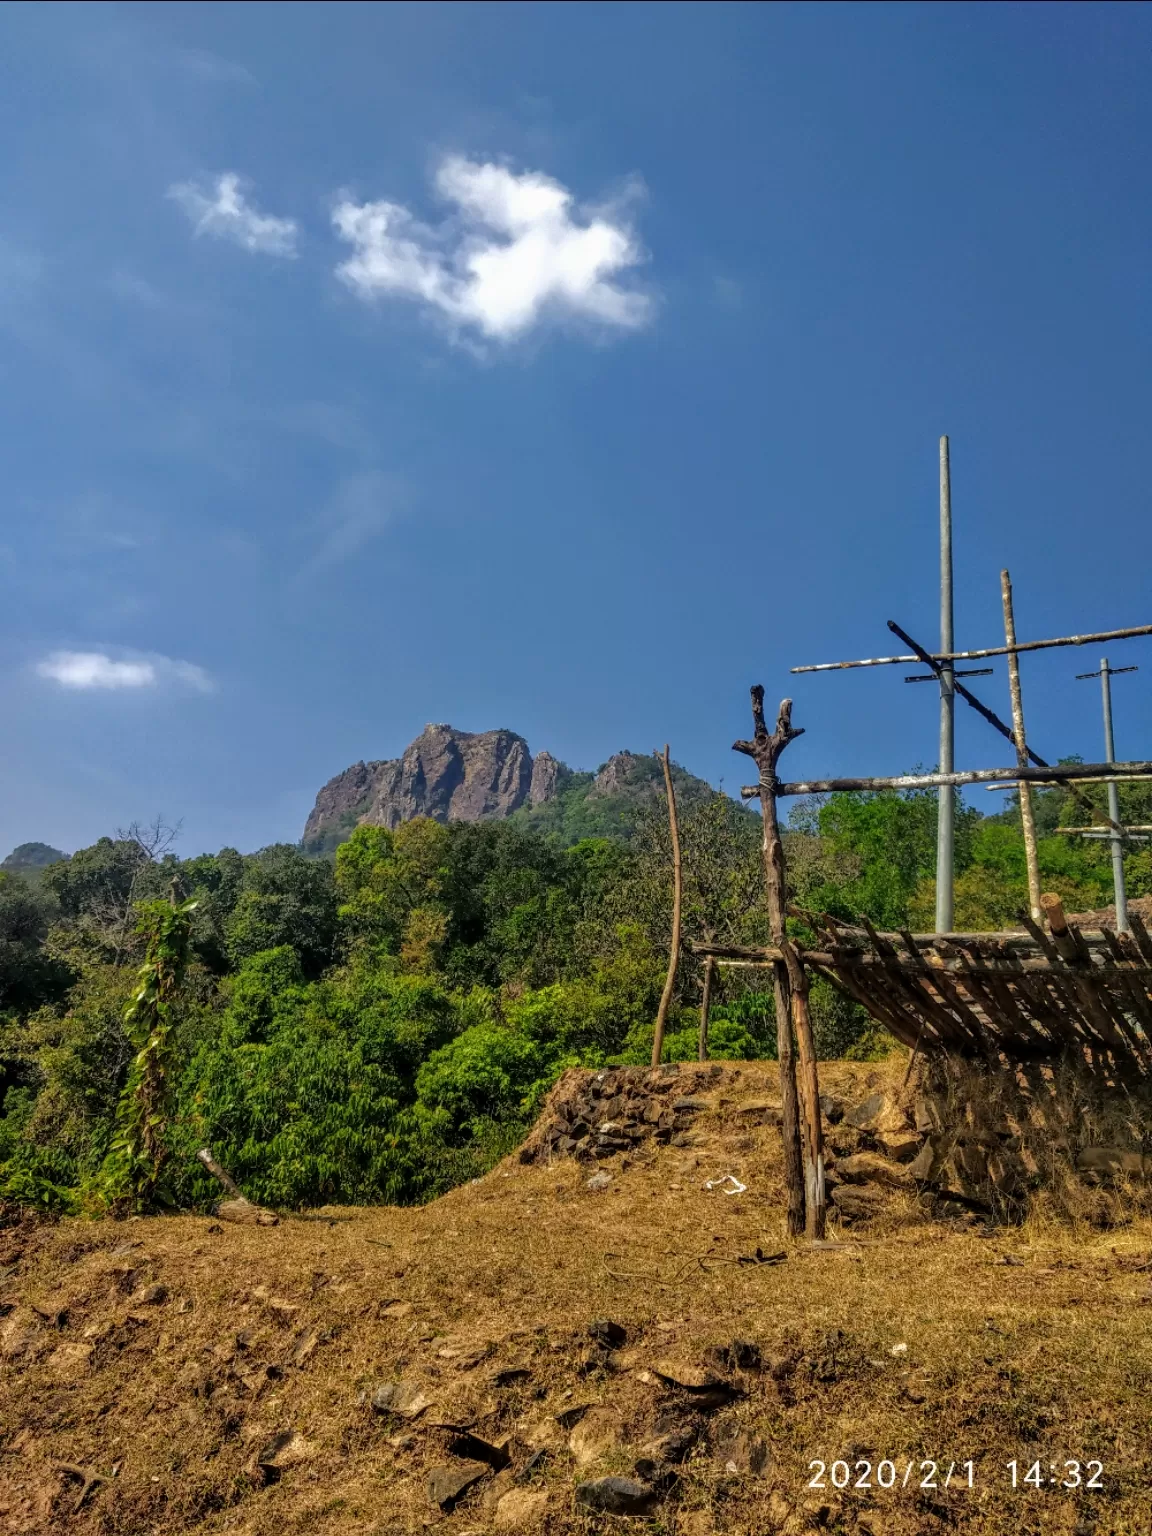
<point>803,1152</point>
<point>1023,788</point>
<point>677,902</point>
<point>706,1006</point>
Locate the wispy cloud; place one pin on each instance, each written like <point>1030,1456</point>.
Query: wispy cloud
<point>94,671</point>
<point>204,65</point>
<point>221,208</point>
<point>517,251</point>
<point>359,509</point>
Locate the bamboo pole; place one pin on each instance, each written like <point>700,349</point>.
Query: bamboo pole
<point>706,1006</point>
<point>991,650</point>
<point>800,1104</point>
<point>1024,790</point>
<point>995,778</point>
<point>946,794</point>
<point>677,902</point>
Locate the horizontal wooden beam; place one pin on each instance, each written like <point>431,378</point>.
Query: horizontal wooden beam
<point>992,650</point>
<point>1090,772</point>
<point>1097,831</point>
<point>850,959</point>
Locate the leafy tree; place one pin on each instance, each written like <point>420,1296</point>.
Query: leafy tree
<point>30,975</point>
<point>285,898</point>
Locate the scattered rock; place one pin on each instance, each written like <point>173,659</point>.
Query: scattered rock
<point>521,1508</point>
<point>471,1447</point>
<point>693,1378</point>
<point>879,1114</point>
<point>495,1490</point>
<point>673,1436</point>
<point>900,1146</point>
<point>617,1496</point>
<point>466,1354</point>
<point>737,1355</point>
<point>925,1117</point>
<point>832,1108</point>
<point>152,1296</point>
<point>286,1449</point>
<point>306,1345</point>
<point>598,1181</point>
<point>597,1433</point>
<point>448,1483</point>
<point>397,1309</point>
<point>759,1109</point>
<point>923,1165</point>
<point>1113,1160</point>
<point>744,1454</point>
<point>605,1331</point>
<point>871,1168</point>
<point>568,1417</point>
<point>858,1202</point>
<point>400,1397</point>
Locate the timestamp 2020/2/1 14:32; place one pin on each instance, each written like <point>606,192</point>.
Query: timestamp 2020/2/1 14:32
<point>895,1472</point>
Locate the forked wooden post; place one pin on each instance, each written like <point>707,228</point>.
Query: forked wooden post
<point>800,1112</point>
<point>677,903</point>
<point>706,1006</point>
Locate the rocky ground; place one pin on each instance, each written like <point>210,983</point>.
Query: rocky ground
<point>597,1337</point>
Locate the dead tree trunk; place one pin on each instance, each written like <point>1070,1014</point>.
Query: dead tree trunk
<point>803,1150</point>
<point>677,901</point>
<point>706,1006</point>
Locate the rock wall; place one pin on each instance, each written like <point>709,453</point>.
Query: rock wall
<point>593,1116</point>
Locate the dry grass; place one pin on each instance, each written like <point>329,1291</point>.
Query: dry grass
<point>1041,1358</point>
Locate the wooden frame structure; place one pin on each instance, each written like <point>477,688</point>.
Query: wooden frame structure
<point>1036,994</point>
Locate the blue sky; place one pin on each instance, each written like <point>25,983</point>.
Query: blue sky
<point>560,367</point>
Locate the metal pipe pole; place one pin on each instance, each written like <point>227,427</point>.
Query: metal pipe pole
<point>1114,805</point>
<point>1023,788</point>
<point>946,809</point>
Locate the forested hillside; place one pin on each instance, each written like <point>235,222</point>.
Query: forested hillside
<point>379,1024</point>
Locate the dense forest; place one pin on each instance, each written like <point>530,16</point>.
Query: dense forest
<point>379,1023</point>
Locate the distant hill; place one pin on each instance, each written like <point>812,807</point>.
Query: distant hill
<point>454,775</point>
<point>30,858</point>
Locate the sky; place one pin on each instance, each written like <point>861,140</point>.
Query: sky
<point>561,367</point>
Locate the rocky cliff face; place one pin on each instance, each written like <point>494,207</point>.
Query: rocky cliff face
<point>486,776</point>
<point>447,774</point>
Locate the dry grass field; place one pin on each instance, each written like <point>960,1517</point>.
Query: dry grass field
<point>219,1378</point>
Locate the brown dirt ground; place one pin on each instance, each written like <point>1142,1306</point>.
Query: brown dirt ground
<point>919,1341</point>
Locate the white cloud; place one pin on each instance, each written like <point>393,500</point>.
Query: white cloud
<point>517,251</point>
<point>96,670</point>
<point>222,209</point>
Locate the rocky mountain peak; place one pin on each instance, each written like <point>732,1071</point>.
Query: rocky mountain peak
<point>447,774</point>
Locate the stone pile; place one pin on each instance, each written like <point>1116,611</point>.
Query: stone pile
<point>593,1116</point>
<point>951,1156</point>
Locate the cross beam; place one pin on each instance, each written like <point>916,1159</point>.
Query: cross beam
<point>1090,771</point>
<point>992,650</point>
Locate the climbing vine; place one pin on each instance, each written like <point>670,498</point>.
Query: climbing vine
<point>133,1168</point>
